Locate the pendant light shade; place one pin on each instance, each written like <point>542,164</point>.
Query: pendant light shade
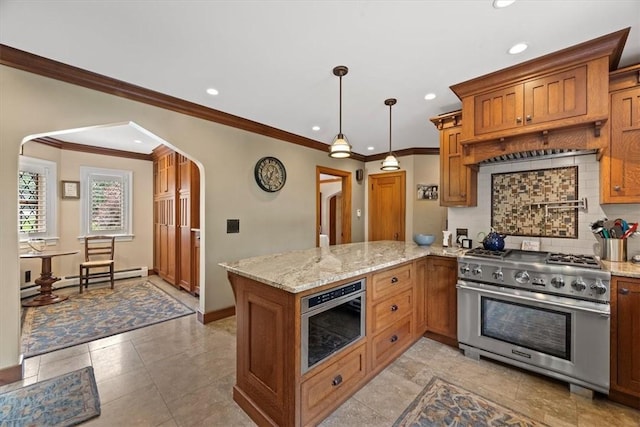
<point>340,147</point>
<point>390,163</point>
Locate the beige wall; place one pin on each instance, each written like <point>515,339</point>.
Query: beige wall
<point>269,222</point>
<point>129,254</point>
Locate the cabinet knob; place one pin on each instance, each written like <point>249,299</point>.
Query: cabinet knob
<point>616,188</point>
<point>528,117</point>
<point>518,119</point>
<point>394,279</point>
<point>394,307</point>
<point>393,338</point>
<point>624,291</point>
<point>463,195</point>
<point>337,380</point>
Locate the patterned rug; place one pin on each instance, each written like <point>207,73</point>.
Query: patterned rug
<point>444,404</point>
<point>95,314</point>
<point>66,400</point>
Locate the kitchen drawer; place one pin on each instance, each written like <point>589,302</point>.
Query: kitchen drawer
<point>391,342</point>
<point>390,310</point>
<point>389,281</point>
<point>332,385</point>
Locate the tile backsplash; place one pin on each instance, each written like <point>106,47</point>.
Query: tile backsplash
<point>478,219</point>
<point>530,203</point>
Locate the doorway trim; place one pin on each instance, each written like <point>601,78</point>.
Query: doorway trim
<point>345,176</point>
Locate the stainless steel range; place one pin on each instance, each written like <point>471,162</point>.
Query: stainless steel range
<point>542,311</point>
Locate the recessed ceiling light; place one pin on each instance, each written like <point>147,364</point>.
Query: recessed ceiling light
<point>371,148</point>
<point>315,128</point>
<point>518,48</point>
<point>499,4</point>
<point>137,141</point>
<point>212,91</point>
<point>430,96</point>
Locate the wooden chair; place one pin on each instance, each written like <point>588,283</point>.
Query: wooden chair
<point>98,253</point>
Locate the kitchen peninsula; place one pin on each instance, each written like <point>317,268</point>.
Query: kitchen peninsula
<point>274,385</point>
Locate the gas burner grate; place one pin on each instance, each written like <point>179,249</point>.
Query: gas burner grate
<point>587,261</point>
<point>487,253</point>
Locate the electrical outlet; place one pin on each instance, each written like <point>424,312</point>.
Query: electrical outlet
<point>462,232</point>
<point>27,276</point>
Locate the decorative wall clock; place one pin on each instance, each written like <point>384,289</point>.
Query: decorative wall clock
<point>270,174</point>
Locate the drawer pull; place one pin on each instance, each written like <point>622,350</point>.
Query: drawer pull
<point>624,291</point>
<point>393,338</point>
<point>394,279</point>
<point>616,188</point>
<point>394,307</point>
<point>337,380</point>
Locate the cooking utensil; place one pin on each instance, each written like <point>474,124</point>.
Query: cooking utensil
<point>632,229</point>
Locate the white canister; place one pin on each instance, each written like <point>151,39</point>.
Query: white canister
<point>446,238</point>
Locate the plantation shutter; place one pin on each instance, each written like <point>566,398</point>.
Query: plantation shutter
<point>32,202</point>
<point>106,205</point>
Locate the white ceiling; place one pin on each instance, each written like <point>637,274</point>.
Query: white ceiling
<point>272,61</point>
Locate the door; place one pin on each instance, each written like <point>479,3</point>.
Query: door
<point>342,211</point>
<point>387,206</point>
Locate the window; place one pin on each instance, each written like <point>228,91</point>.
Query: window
<point>106,201</point>
<point>36,198</point>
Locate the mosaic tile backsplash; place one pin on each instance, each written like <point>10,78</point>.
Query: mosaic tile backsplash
<point>518,198</point>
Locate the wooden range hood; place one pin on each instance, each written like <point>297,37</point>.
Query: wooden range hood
<point>559,101</point>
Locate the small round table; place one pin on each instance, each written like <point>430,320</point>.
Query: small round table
<point>46,279</point>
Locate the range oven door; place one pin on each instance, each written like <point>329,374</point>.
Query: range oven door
<point>561,337</point>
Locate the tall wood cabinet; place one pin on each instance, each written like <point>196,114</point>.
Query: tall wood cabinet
<point>458,183</point>
<point>176,198</point>
<point>620,163</point>
<point>625,341</point>
<point>441,301</point>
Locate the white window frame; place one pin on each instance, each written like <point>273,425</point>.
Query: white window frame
<point>49,170</point>
<point>87,174</point>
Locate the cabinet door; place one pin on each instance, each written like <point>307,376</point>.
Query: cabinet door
<point>625,375</point>
<point>441,296</point>
<point>457,181</point>
<point>498,110</point>
<point>420,305</point>
<point>624,147</point>
<point>556,96</point>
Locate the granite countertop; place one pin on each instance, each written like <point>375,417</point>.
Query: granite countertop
<point>624,269</point>
<point>301,270</point>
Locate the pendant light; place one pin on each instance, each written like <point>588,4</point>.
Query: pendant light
<point>340,147</point>
<point>390,163</point>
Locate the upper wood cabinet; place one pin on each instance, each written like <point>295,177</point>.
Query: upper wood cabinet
<point>620,163</point>
<point>556,101</point>
<point>458,182</point>
<point>553,97</point>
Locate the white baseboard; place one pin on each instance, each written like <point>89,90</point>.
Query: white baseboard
<point>31,289</point>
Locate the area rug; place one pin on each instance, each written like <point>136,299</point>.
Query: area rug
<point>445,404</point>
<point>97,313</point>
<point>65,400</point>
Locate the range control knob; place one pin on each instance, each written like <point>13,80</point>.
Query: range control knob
<point>477,270</point>
<point>464,269</point>
<point>498,275</point>
<point>522,277</point>
<point>599,287</point>
<point>557,282</point>
<point>579,284</point>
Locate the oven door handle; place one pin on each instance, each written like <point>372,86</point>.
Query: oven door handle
<point>604,313</point>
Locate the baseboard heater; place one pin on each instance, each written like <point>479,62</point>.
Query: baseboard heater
<point>31,289</point>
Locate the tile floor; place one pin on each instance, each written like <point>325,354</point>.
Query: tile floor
<point>180,373</point>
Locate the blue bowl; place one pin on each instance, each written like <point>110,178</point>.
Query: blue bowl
<point>424,239</point>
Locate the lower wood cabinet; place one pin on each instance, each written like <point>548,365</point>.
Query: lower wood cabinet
<point>325,390</point>
<point>440,300</point>
<point>625,341</point>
